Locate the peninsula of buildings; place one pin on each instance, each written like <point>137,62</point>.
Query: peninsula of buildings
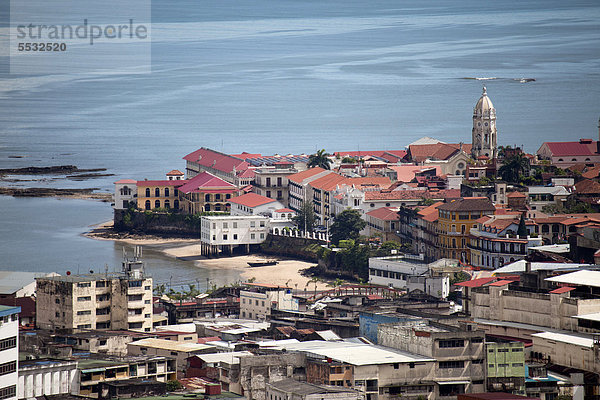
<point>465,271</point>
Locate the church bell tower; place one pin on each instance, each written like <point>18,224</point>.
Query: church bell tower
<point>484,128</point>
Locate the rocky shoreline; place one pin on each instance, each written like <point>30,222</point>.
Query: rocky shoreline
<point>89,193</point>
<point>52,170</point>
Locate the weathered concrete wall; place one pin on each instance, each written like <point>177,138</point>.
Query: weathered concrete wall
<point>257,371</point>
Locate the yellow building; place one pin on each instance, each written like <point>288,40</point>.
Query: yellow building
<point>158,194</point>
<point>455,222</point>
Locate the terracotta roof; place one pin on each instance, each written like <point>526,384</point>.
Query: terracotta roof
<point>411,194</point>
<point>501,283</point>
<point>591,173</point>
<point>162,183</point>
<point>516,194</point>
<point>245,156</point>
<point>563,289</point>
<point>285,210</point>
<point>476,282</point>
<point>385,214</point>
<point>406,173</point>
<point>437,151</point>
<point>300,176</point>
<point>469,204</point>
<point>251,200</point>
<point>328,182</point>
<point>381,181</point>
<point>216,160</point>
<point>432,209</point>
<point>131,181</point>
<point>205,181</point>
<point>587,186</point>
<point>174,172</point>
<point>558,149</point>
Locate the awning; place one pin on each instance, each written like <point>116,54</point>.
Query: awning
<point>452,382</point>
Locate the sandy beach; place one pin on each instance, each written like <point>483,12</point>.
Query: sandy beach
<point>286,273</point>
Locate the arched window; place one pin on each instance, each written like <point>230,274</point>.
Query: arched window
<point>463,228</point>
<point>176,204</point>
<point>276,231</point>
<point>147,192</point>
<point>218,207</point>
<point>157,204</point>
<point>217,197</point>
<point>290,216</point>
<point>166,192</point>
<point>555,228</point>
<point>227,196</point>
<point>207,207</point>
<point>147,205</point>
<point>573,159</point>
<point>207,197</point>
<point>157,192</point>
<point>457,172</point>
<point>545,228</point>
<point>167,204</point>
<point>560,159</point>
<point>587,159</point>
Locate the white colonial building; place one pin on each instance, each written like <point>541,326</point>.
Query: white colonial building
<point>125,193</point>
<point>9,351</point>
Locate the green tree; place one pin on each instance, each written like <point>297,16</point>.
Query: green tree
<point>514,167</point>
<point>522,231</point>
<point>305,217</point>
<point>347,225</point>
<point>159,290</point>
<point>319,159</point>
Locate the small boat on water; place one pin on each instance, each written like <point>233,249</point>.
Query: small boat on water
<point>262,263</point>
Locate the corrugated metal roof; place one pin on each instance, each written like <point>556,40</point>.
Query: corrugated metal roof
<point>579,340</point>
<point>581,278</point>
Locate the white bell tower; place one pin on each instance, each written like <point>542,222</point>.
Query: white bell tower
<point>485,136</point>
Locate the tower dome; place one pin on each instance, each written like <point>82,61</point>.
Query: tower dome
<point>484,132</point>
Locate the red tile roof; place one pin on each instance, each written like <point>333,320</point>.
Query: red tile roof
<point>437,151</point>
<point>132,181</point>
<point>162,183</point>
<point>558,149</point>
<point>501,283</point>
<point>563,289</point>
<point>469,204</point>
<point>300,176</point>
<point>219,161</point>
<point>328,182</point>
<point>285,210</point>
<point>587,186</point>
<point>516,194</point>
<point>205,181</point>
<point>412,194</point>
<point>406,173</point>
<point>251,200</point>
<point>476,282</point>
<point>385,214</point>
<point>174,172</point>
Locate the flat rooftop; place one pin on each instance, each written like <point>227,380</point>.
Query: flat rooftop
<point>170,345</point>
<point>358,354</point>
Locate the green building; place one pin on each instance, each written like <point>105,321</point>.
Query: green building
<point>506,367</point>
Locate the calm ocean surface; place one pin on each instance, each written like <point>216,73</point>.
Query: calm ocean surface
<point>291,76</point>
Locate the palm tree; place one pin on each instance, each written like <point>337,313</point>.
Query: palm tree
<point>514,167</point>
<point>319,159</point>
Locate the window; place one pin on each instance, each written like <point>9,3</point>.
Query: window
<point>147,287</point>
<point>146,301</point>
<point>84,284</point>
<point>167,204</point>
<point>268,193</point>
<point>252,224</point>
<point>478,361</point>
<point>262,224</point>
<point>9,343</point>
<point>102,342</point>
<point>8,392</point>
<point>101,284</point>
<point>147,192</point>
<point>157,192</point>
<point>451,343</point>
<point>235,236</point>
<point>147,205</point>
<point>166,192</point>
<point>516,350</point>
<point>477,340</point>
<point>451,364</point>
<point>84,312</point>
<point>57,301</point>
<point>225,225</point>
<point>135,325</point>
<point>252,236</point>
<point>235,225</point>
<point>146,315</point>
<point>517,365</point>
<point>134,297</point>
<point>135,283</point>
<point>84,326</point>
<point>224,236</point>
<point>262,235</point>
<point>157,204</point>
<point>84,298</point>
<point>57,314</point>
<point>103,311</point>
